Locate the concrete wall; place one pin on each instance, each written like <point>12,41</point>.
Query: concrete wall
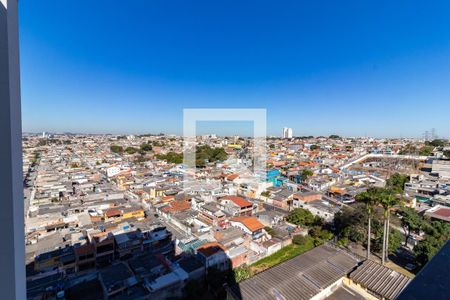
<point>12,248</point>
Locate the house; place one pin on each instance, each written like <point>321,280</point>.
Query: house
<point>249,225</point>
<point>213,255</point>
<point>133,212</point>
<point>148,265</point>
<point>324,209</point>
<point>281,197</point>
<point>85,256</point>
<point>175,206</point>
<point>300,199</point>
<point>270,217</point>
<point>63,258</point>
<point>238,255</point>
<point>104,246</point>
<point>271,246</point>
<point>112,213</point>
<point>211,214</point>
<point>236,206</point>
<point>439,212</point>
<point>169,285</point>
<point>193,267</point>
<point>116,278</point>
<point>231,236</point>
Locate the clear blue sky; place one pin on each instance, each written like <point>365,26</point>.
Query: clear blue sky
<point>379,68</point>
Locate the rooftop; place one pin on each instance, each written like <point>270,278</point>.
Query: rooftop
<point>251,223</point>
<point>299,278</point>
<point>379,279</point>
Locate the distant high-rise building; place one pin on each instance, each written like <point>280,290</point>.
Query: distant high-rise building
<point>433,134</point>
<point>287,133</point>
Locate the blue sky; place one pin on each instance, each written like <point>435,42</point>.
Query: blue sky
<point>354,68</point>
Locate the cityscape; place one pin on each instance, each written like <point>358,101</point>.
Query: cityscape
<point>110,216</point>
<point>225,150</point>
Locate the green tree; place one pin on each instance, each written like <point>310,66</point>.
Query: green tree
<point>447,153</point>
<point>302,240</point>
<point>269,230</point>
<point>397,182</point>
<point>426,150</point>
<point>426,249</point>
<point>146,147</point>
<point>172,157</point>
<point>116,149</point>
<point>306,174</point>
<point>301,217</point>
<point>411,221</point>
<point>140,159</point>
<point>349,223</point>
<point>315,231</point>
<point>242,273</point>
<point>395,240</point>
<point>265,194</point>
<point>388,201</point>
<point>130,150</point>
<point>370,198</point>
<point>206,154</point>
<point>342,242</point>
<point>438,143</point>
<point>409,149</point>
<point>314,147</point>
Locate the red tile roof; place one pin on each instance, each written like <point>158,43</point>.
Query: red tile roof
<point>251,223</point>
<point>112,212</point>
<point>177,206</point>
<point>241,202</point>
<point>443,212</point>
<point>232,177</point>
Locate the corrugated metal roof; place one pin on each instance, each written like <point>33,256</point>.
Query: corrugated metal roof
<point>299,278</point>
<point>379,279</point>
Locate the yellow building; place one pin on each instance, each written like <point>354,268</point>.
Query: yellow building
<point>234,146</point>
<point>133,213</point>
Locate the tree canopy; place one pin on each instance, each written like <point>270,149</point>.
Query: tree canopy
<point>411,221</point>
<point>116,149</point>
<point>205,154</point>
<point>397,182</point>
<point>146,147</point>
<point>305,174</point>
<point>131,150</point>
<point>438,143</point>
<point>172,157</point>
<point>303,217</point>
<point>370,198</point>
<point>426,150</point>
<point>437,234</point>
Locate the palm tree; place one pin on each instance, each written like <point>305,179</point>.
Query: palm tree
<point>370,198</point>
<point>388,200</point>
